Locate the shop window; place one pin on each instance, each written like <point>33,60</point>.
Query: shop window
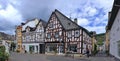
<point>73,47</point>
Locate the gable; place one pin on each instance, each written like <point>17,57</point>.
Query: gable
<point>53,22</point>
<point>27,29</point>
<point>31,23</point>
<point>39,27</point>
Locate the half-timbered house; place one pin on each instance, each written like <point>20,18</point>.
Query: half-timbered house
<point>63,34</point>
<point>33,36</point>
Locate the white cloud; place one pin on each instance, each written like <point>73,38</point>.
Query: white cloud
<point>98,29</point>
<point>9,18</point>
<point>90,11</point>
<point>83,21</point>
<point>11,14</point>
<point>16,10</point>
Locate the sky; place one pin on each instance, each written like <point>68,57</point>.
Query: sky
<point>91,14</point>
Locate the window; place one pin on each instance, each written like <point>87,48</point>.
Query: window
<point>69,34</point>
<point>77,33</point>
<point>73,33</point>
<point>60,32</point>
<point>73,47</point>
<point>40,35</point>
<point>56,34</point>
<point>60,40</point>
<point>52,48</point>
<point>48,35</point>
<point>51,25</point>
<point>31,48</point>
<point>69,23</point>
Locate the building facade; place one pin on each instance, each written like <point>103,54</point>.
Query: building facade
<point>63,35</point>
<point>114,29</point>
<point>33,36</point>
<point>19,38</point>
<point>107,38</point>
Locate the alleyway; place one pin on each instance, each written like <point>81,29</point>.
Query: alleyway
<point>42,57</point>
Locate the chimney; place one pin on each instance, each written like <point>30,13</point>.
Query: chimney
<point>75,20</point>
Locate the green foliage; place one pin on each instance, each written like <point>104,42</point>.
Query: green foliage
<point>3,55</point>
<point>100,43</point>
<point>95,50</point>
<point>100,38</point>
<point>13,46</point>
<point>2,49</point>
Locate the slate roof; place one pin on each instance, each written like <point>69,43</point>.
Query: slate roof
<point>27,21</point>
<point>34,28</point>
<point>44,23</point>
<point>67,23</point>
<point>114,12</point>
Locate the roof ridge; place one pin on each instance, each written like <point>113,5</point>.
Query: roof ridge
<point>68,19</point>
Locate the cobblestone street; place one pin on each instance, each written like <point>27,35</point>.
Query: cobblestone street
<point>42,57</point>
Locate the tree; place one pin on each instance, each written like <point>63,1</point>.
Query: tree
<point>100,43</point>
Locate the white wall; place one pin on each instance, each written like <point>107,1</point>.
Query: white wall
<point>31,24</point>
<point>33,44</point>
<point>115,36</point>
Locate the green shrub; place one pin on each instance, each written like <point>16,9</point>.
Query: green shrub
<point>3,56</point>
<point>95,50</point>
<point>2,49</point>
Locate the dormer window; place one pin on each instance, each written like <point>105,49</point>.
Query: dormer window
<point>69,23</point>
<point>28,29</point>
<point>77,33</point>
